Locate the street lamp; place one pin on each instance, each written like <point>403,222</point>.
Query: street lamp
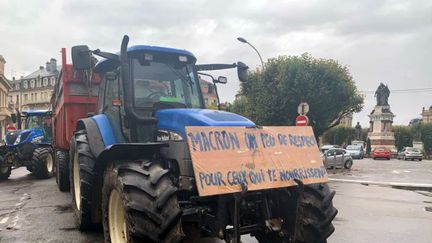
<point>241,39</point>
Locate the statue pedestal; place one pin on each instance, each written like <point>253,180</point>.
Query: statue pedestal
<point>418,145</point>
<point>380,130</point>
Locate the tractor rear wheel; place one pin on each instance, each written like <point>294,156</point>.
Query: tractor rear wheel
<point>5,172</point>
<point>316,213</point>
<point>139,204</point>
<point>42,163</point>
<point>62,173</point>
<point>81,180</point>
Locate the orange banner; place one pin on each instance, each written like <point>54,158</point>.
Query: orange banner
<point>223,158</point>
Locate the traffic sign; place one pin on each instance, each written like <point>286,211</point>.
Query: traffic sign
<point>302,121</point>
<point>303,108</point>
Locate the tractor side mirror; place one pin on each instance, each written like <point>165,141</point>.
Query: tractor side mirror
<point>14,117</point>
<point>81,57</point>
<point>221,80</point>
<point>242,71</point>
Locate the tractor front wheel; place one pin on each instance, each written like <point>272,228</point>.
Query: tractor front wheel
<point>5,172</point>
<point>82,163</point>
<point>62,173</point>
<point>139,204</point>
<point>316,213</point>
<point>42,163</point>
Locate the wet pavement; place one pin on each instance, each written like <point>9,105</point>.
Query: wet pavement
<point>34,210</point>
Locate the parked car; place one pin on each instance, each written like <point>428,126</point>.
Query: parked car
<point>324,148</point>
<point>381,153</point>
<point>356,151</point>
<point>410,153</point>
<point>337,157</point>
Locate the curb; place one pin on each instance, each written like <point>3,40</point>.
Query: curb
<point>400,185</point>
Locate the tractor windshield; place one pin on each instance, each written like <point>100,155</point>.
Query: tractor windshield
<point>163,80</point>
<point>34,122</point>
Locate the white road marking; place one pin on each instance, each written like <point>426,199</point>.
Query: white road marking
<point>383,183</point>
<point>4,220</point>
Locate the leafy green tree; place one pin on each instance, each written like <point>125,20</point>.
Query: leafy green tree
<point>426,137</point>
<point>365,134</point>
<point>368,146</point>
<point>339,135</point>
<point>274,93</point>
<point>403,137</point>
<point>239,106</point>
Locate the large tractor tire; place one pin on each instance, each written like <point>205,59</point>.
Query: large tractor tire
<point>82,163</point>
<point>42,163</point>
<point>316,215</point>
<point>62,172</point>
<point>139,204</point>
<point>5,172</point>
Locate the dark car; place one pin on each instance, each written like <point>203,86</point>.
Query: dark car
<point>356,151</point>
<point>381,153</point>
<point>337,157</point>
<point>410,153</point>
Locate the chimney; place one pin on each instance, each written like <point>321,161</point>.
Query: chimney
<point>13,78</point>
<point>53,63</point>
<point>2,63</point>
<point>41,67</point>
<point>48,66</point>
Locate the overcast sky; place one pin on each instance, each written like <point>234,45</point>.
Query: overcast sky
<point>380,41</point>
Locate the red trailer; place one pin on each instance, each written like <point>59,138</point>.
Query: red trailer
<point>73,99</point>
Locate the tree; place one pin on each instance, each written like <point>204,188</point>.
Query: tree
<point>274,93</point>
<point>426,137</point>
<point>239,106</point>
<point>403,137</point>
<point>339,135</point>
<point>368,147</point>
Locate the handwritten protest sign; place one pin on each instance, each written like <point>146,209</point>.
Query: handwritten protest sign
<point>224,158</point>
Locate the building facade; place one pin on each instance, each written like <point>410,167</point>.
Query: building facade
<point>346,120</point>
<point>33,92</point>
<point>209,94</point>
<point>5,110</point>
<point>427,115</point>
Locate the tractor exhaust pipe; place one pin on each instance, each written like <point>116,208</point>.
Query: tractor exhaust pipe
<point>128,86</point>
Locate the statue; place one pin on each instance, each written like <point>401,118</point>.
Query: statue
<point>358,132</point>
<point>382,93</point>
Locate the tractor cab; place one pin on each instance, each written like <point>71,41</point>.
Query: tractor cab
<point>37,128</point>
<point>149,88</point>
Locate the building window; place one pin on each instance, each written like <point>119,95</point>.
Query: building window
<point>32,96</point>
<point>32,83</point>
<point>25,84</point>
<point>38,83</point>
<point>25,97</point>
<point>45,81</point>
<point>52,81</point>
<point>17,86</point>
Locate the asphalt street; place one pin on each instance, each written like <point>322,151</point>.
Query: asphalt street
<point>34,210</point>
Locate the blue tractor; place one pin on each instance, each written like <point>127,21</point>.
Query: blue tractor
<point>29,147</point>
<point>130,167</point>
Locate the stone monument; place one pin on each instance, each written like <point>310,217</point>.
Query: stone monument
<point>358,135</point>
<point>381,120</point>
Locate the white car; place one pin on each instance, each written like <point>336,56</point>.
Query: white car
<point>410,153</point>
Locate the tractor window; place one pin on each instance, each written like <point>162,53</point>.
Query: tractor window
<point>35,122</point>
<point>165,82</point>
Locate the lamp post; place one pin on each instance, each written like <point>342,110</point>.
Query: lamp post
<point>241,39</point>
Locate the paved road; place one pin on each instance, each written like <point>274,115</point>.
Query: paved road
<point>34,210</point>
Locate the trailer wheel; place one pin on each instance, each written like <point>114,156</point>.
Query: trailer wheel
<point>5,172</point>
<point>81,180</point>
<point>139,204</point>
<point>316,208</point>
<point>62,173</point>
<point>42,163</point>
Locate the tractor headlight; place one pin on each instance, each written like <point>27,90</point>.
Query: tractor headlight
<point>18,140</point>
<point>163,135</point>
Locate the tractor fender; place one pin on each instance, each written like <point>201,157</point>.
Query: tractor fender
<point>96,129</point>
